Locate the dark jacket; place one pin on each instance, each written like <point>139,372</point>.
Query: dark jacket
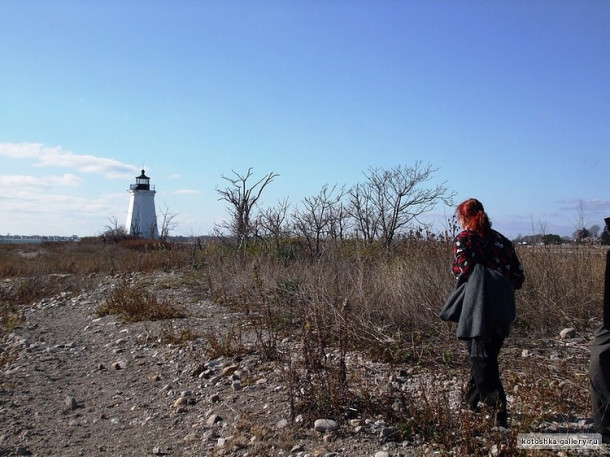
<point>483,306</point>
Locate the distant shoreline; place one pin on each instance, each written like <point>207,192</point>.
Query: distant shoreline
<point>36,239</point>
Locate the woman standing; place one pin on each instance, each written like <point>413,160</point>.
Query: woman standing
<point>479,244</point>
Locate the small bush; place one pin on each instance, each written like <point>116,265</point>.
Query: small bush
<point>177,336</point>
<point>135,304</point>
<point>227,344</point>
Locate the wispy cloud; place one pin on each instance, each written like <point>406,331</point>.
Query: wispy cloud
<point>186,192</point>
<point>26,201</point>
<point>41,183</point>
<point>57,157</point>
<point>586,205</point>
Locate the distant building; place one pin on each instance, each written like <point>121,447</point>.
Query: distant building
<point>141,216</point>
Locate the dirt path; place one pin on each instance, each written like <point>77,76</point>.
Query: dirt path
<point>81,385</point>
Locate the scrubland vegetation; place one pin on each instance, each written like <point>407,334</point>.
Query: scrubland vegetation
<point>350,297</point>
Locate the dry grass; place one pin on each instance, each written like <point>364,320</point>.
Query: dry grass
<point>134,303</point>
<point>354,298</point>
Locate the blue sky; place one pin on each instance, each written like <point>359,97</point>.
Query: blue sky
<point>510,100</point>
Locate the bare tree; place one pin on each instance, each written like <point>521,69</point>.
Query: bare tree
<point>114,230</point>
<point>272,222</point>
<point>580,220</point>
<point>168,223</point>
<point>580,233</point>
<point>339,219</point>
<point>318,215</point>
<point>243,196</point>
<point>363,211</point>
<point>390,200</point>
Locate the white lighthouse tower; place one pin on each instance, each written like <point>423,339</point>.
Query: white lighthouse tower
<point>141,216</point>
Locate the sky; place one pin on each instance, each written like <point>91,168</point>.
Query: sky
<point>508,100</point>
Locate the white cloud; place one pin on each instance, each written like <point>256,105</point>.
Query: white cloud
<point>41,183</point>
<point>186,192</point>
<point>27,200</point>
<point>57,157</point>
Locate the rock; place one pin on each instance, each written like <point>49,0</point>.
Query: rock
<point>214,418</point>
<point>229,370</point>
<point>567,333</point>
<point>191,438</point>
<point>118,365</point>
<point>282,423</point>
<point>215,380</point>
<point>325,425</point>
<point>388,434</point>
<point>22,450</point>
<point>210,435</point>
<point>181,401</point>
<point>329,437</point>
<point>382,454</point>
<point>71,402</point>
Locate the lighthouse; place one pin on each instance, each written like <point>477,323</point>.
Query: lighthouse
<point>141,216</point>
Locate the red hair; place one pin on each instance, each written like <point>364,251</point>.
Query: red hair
<point>474,216</point>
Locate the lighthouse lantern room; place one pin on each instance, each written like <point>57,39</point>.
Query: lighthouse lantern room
<point>141,216</point>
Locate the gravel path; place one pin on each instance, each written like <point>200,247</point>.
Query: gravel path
<point>83,385</point>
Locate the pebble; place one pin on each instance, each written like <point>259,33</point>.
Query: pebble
<point>22,450</point>
<point>387,434</point>
<point>214,418</point>
<point>118,365</point>
<point>282,423</point>
<point>71,402</point>
<point>181,401</point>
<point>229,370</point>
<point>567,333</point>
<point>325,425</point>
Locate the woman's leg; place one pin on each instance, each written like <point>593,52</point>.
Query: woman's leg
<point>485,384</point>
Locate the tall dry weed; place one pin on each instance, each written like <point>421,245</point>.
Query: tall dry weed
<point>563,287</point>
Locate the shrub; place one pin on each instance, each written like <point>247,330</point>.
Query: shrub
<point>134,304</point>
